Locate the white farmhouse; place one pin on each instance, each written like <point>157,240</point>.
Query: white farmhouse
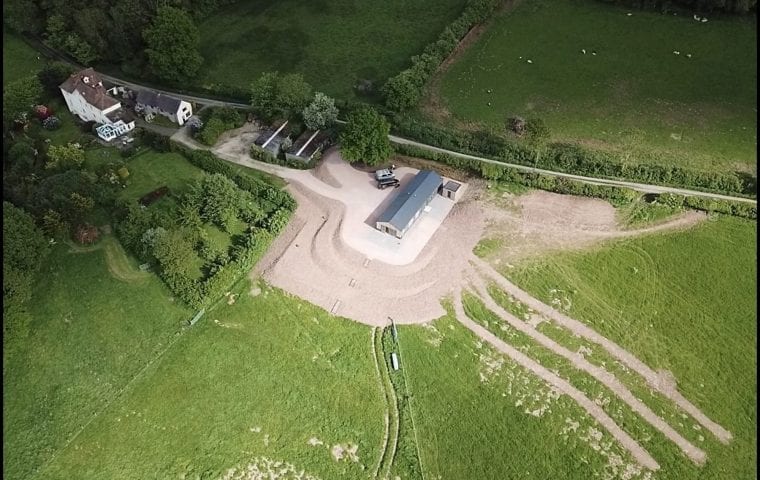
<point>88,99</point>
<point>152,103</point>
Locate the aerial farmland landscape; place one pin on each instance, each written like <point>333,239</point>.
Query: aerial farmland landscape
<point>400,240</point>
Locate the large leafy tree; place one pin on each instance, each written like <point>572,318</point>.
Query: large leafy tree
<point>293,93</point>
<point>19,97</point>
<point>365,138</point>
<point>64,157</point>
<point>216,198</point>
<point>264,94</point>
<point>24,250</point>
<point>402,91</point>
<point>53,74</point>
<point>321,112</point>
<point>22,16</point>
<point>172,42</point>
<point>274,94</point>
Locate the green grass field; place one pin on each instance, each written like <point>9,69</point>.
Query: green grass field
<point>90,334</point>
<point>151,170</point>
<point>635,95</point>
<point>470,413</point>
<point>255,379</point>
<point>333,43</point>
<point>19,59</point>
<point>683,302</point>
<point>688,303</point>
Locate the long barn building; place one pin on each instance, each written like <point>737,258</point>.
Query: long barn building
<point>400,215</point>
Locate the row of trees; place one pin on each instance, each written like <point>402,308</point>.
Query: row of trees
<point>274,95</point>
<point>131,33</point>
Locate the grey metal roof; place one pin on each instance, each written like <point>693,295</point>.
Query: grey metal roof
<point>452,185</point>
<point>165,103</point>
<point>411,199</point>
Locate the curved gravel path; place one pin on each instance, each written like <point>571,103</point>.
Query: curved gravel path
<point>637,451</point>
<point>654,379</point>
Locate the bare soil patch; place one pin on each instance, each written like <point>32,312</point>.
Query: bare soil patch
<point>539,222</point>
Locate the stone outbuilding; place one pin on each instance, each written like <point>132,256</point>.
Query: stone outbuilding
<point>452,190</point>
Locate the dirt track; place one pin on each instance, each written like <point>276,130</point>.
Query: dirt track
<point>604,377</point>
<point>638,453</point>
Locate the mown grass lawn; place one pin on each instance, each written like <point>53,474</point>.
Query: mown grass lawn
<point>151,170</point>
<point>635,95</point>
<point>19,59</point>
<point>90,334</point>
<point>684,302</point>
<point>333,43</point>
<point>258,378</point>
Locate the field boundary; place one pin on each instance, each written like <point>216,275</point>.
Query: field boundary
<point>431,103</point>
<point>639,187</point>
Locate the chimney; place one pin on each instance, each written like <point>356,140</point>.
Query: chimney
<point>86,80</point>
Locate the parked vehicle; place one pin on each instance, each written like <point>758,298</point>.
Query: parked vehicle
<point>388,182</point>
<point>385,173</point>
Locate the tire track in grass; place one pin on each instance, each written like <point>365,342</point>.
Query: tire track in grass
<point>390,440</point>
<point>653,379</point>
<point>601,375</point>
<point>595,411</point>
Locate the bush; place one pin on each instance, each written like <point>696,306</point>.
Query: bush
<point>86,234</point>
<point>216,121</point>
<point>154,140</point>
<point>516,125</point>
<point>52,123</point>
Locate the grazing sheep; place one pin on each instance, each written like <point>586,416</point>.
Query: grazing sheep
<point>676,52</point>
<point>688,55</point>
<point>583,51</point>
<point>593,52</point>
<point>489,104</point>
<point>530,61</point>
<point>629,14</point>
<point>696,17</point>
<point>704,20</point>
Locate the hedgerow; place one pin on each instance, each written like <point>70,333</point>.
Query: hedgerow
<point>615,195</point>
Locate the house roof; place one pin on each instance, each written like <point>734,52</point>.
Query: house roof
<point>120,114</point>
<point>165,103</point>
<point>89,84</point>
<point>411,199</point>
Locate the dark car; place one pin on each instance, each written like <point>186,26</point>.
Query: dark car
<point>388,182</point>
